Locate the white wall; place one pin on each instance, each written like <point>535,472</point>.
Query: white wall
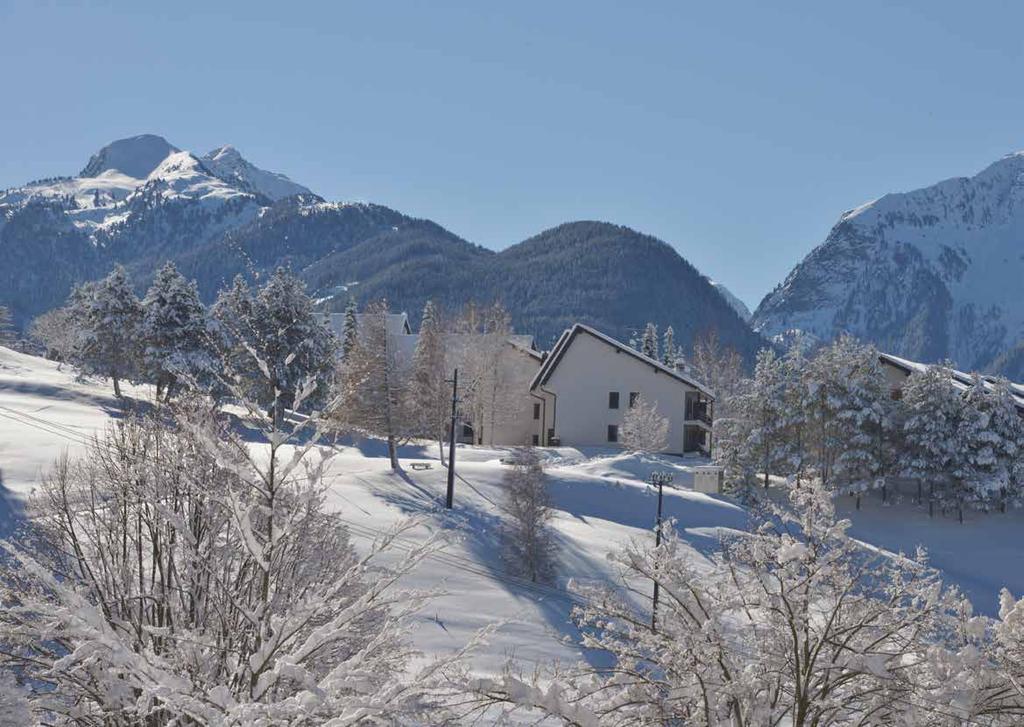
<point>588,370</point>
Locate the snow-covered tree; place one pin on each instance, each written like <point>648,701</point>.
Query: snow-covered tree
<point>277,327</point>
<point>757,441</point>
<point>529,543</point>
<point>649,341</point>
<point>643,428</point>
<point>988,438</point>
<point>107,315</point>
<point>174,336</point>
<point>6,326</point>
<point>488,390</point>
<point>793,623</point>
<point>351,327</point>
<point>56,332</point>
<point>181,576</point>
<point>373,397</point>
<point>931,409</point>
<point>669,353</point>
<point>429,393</point>
<point>846,407</point>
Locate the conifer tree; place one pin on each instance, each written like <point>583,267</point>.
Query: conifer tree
<point>174,331</point>
<point>931,412</point>
<point>429,396</point>
<point>277,326</point>
<point>668,351</point>
<point>350,329</point>
<point>6,326</point>
<point>108,315</point>
<point>649,342</point>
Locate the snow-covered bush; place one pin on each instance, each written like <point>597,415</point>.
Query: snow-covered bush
<point>643,429</point>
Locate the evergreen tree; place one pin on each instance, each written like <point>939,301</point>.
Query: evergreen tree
<point>988,439</point>
<point>6,327</point>
<point>429,395</point>
<point>108,315</point>
<point>350,329</point>
<point>174,331</point>
<point>847,397</point>
<point>649,342</point>
<point>275,328</point>
<point>668,351</point>
<point>931,412</point>
<point>529,543</point>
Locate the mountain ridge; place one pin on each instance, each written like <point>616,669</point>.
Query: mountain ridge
<point>218,215</point>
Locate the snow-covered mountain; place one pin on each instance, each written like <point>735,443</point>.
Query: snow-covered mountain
<point>930,274</point>
<point>136,201</point>
<point>229,165</point>
<point>142,201</point>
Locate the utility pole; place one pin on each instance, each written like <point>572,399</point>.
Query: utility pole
<point>659,480</point>
<point>451,441</point>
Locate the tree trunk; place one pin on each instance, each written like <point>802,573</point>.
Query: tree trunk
<point>440,451</point>
<point>393,452</point>
<point>117,387</point>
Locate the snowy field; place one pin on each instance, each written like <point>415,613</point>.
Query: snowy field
<point>600,497</point>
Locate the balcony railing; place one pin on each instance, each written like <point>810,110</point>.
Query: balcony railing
<point>698,411</point>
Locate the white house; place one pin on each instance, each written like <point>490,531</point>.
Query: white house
<point>587,382</point>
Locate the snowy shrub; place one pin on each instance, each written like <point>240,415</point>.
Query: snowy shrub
<point>529,543</point>
<point>643,429</point>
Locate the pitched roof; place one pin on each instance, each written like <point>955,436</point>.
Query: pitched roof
<point>961,380</point>
<point>569,335</point>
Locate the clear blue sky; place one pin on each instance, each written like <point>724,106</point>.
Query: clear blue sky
<point>737,132</point>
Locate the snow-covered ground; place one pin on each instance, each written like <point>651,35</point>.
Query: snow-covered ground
<point>600,497</point>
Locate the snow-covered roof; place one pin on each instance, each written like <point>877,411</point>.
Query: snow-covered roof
<point>569,335</point>
<point>961,379</point>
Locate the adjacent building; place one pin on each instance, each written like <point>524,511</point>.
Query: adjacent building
<point>587,382</point>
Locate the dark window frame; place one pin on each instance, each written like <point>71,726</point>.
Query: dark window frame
<point>613,400</point>
<point>633,396</point>
<point>536,410</point>
<point>613,433</point>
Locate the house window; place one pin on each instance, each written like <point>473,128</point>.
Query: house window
<point>467,430</point>
<point>613,400</point>
<point>613,432</point>
<point>536,411</point>
<point>633,396</point>
<point>536,439</point>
